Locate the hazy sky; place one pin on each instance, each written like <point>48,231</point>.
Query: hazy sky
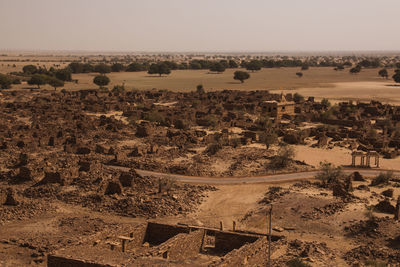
<point>199,25</point>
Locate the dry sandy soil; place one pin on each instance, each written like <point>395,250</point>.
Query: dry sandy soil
<point>383,90</point>
<point>337,155</point>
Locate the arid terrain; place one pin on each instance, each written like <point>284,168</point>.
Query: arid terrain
<point>186,175</point>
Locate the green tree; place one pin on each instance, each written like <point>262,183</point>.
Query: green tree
<point>355,70</point>
<point>383,73</point>
<point>217,67</point>
<point>5,82</point>
<point>396,76</point>
<point>64,75</point>
<point>38,79</point>
<point>30,69</point>
<point>54,82</point>
<point>241,76</point>
<point>136,66</point>
<point>232,64</point>
<point>159,68</point>
<point>101,80</point>
<point>117,67</point>
<point>102,68</point>
<point>76,67</point>
<point>254,65</point>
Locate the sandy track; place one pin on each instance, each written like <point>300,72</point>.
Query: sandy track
<point>277,178</point>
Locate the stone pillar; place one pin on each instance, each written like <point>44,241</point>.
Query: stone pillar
<point>353,160</point>
<point>377,160</point>
<point>221,226</point>
<point>368,161</point>
<point>234,226</point>
<point>397,211</point>
<point>123,245</point>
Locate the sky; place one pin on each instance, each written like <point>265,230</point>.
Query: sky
<point>200,25</point>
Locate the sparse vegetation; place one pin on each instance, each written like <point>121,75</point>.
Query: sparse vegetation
<point>283,157</point>
<point>5,82</point>
<point>329,174</point>
<point>382,179</point>
<point>269,138</point>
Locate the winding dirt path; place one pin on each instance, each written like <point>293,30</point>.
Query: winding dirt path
<point>276,178</point>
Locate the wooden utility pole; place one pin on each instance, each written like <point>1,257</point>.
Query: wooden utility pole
<point>269,236</point>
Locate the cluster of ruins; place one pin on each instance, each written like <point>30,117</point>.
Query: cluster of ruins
<point>82,148</point>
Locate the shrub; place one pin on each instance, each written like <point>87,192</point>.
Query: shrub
<point>329,174</point>
<point>154,116</point>
<point>5,82</point>
<point>166,184</point>
<point>269,138</point>
<point>200,89</point>
<point>382,178</point>
<point>180,124</point>
<point>375,263</point>
<point>283,158</point>
<point>212,149</point>
<point>298,97</point>
<point>118,89</point>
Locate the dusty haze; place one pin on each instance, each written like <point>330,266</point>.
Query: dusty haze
<point>182,25</point>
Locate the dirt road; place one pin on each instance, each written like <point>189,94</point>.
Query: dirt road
<point>254,179</point>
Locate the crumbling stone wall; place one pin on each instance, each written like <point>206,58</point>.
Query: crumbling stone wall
<point>56,261</point>
<point>182,246</point>
<point>157,234</point>
<point>225,242</point>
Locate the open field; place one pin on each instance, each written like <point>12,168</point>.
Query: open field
<point>320,82</point>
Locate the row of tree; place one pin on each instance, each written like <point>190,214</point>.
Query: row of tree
<point>42,79</point>
<point>385,74</point>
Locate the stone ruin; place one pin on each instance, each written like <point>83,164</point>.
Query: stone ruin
<point>145,243</point>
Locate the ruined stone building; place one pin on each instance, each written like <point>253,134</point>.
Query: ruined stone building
<point>275,109</point>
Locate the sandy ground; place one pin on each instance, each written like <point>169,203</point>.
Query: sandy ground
<point>337,156</point>
<point>383,91</point>
<point>230,203</point>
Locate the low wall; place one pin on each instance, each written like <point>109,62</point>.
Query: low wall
<point>182,246</point>
<point>56,261</point>
<point>157,234</point>
<point>225,242</point>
